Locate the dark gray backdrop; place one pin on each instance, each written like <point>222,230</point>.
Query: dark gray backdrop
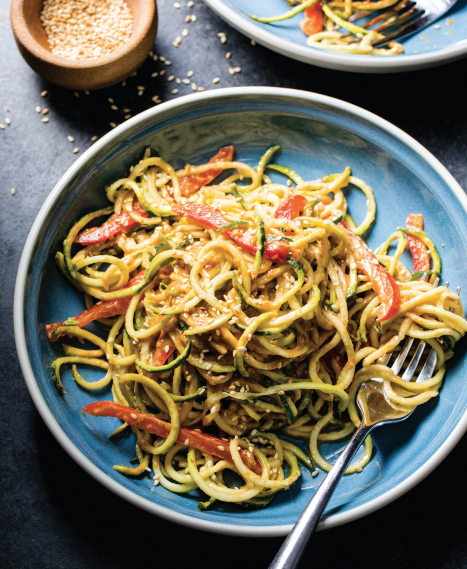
<point>53,514</point>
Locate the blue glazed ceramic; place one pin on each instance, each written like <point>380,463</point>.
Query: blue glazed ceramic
<point>318,135</point>
<point>428,48</point>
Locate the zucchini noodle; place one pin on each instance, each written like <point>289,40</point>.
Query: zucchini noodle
<point>242,310</point>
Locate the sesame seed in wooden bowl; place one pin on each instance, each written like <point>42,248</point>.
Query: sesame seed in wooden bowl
<point>84,44</point>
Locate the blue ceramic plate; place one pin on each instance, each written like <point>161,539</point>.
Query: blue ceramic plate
<point>318,135</point>
<point>428,48</point>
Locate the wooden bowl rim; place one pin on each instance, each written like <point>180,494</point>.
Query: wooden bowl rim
<point>24,36</point>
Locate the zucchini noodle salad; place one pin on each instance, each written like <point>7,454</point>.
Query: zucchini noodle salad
<point>242,312</point>
<point>330,25</point>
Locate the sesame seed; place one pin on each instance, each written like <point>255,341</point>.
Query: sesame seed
<point>174,91</point>
<point>75,150</point>
<point>114,107</point>
<point>187,442</point>
<point>188,19</point>
<point>237,69</point>
<point>167,62</point>
<point>186,81</point>
<point>437,27</point>
<point>12,191</point>
<point>162,72</point>
<point>194,86</point>
<point>220,447</point>
<point>44,94</point>
<point>358,469</point>
<point>253,42</point>
<point>7,120</point>
<point>2,126</point>
<point>193,18</point>
<point>110,100</point>
<point>38,109</point>
<point>190,4</point>
<point>76,94</point>
<point>45,119</point>
<point>228,55</point>
<point>200,89</point>
<point>185,33</point>
<point>231,71</point>
<point>155,74</point>
<point>176,5</point>
<point>171,78</point>
<point>216,80</point>
<point>156,482</point>
<point>93,138</point>
<point>189,74</point>
<point>178,80</point>
<point>112,124</point>
<point>315,473</point>
<point>133,416</point>
<point>86,92</point>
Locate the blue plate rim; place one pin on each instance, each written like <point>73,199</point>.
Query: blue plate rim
<point>35,235</point>
<point>332,60</point>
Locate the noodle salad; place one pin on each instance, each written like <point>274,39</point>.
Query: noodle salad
<point>241,312</point>
<point>324,20</point>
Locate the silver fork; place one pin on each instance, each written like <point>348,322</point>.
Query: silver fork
<point>375,412</point>
<point>405,18</point>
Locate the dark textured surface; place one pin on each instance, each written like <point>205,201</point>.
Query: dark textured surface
<point>53,514</point>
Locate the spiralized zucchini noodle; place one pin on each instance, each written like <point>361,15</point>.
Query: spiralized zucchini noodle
<point>243,314</point>
<point>330,25</point>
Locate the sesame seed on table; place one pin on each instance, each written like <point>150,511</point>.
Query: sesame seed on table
<point>45,497</point>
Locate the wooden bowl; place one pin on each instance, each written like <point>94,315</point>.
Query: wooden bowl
<point>96,73</point>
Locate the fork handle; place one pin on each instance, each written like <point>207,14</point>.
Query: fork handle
<point>294,546</point>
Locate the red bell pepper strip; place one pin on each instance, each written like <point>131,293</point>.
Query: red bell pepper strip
<point>313,22</point>
<point>211,217</point>
<point>105,309</point>
<point>421,257</point>
<point>192,183</point>
<point>292,208</point>
<point>161,355</point>
<point>119,223</point>
<point>123,222</point>
<point>383,283</point>
<point>194,438</point>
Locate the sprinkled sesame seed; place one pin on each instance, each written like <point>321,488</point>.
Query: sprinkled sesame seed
<point>216,80</point>
<point>112,124</point>
<point>2,126</point>
<point>188,19</point>
<point>237,69</point>
<point>38,109</point>
<point>253,42</point>
<point>220,447</point>
<point>12,191</point>
<point>76,94</point>
<point>315,473</point>
<point>167,62</point>
<point>174,91</point>
<point>185,33</point>
<point>194,86</point>
<point>200,89</point>
<point>133,416</point>
<point>193,18</point>
<point>187,442</point>
<point>231,71</point>
<point>358,469</point>
<point>223,39</point>
<point>45,119</point>
<point>228,55</point>
<point>7,120</point>
<point>186,81</point>
<point>162,72</point>
<point>170,77</point>
<point>44,94</point>
<point>155,74</point>
<point>190,4</point>
<point>75,150</point>
<point>189,74</point>
<point>176,5</point>
<point>156,482</point>
<point>178,80</point>
<point>437,27</point>
<point>93,138</point>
